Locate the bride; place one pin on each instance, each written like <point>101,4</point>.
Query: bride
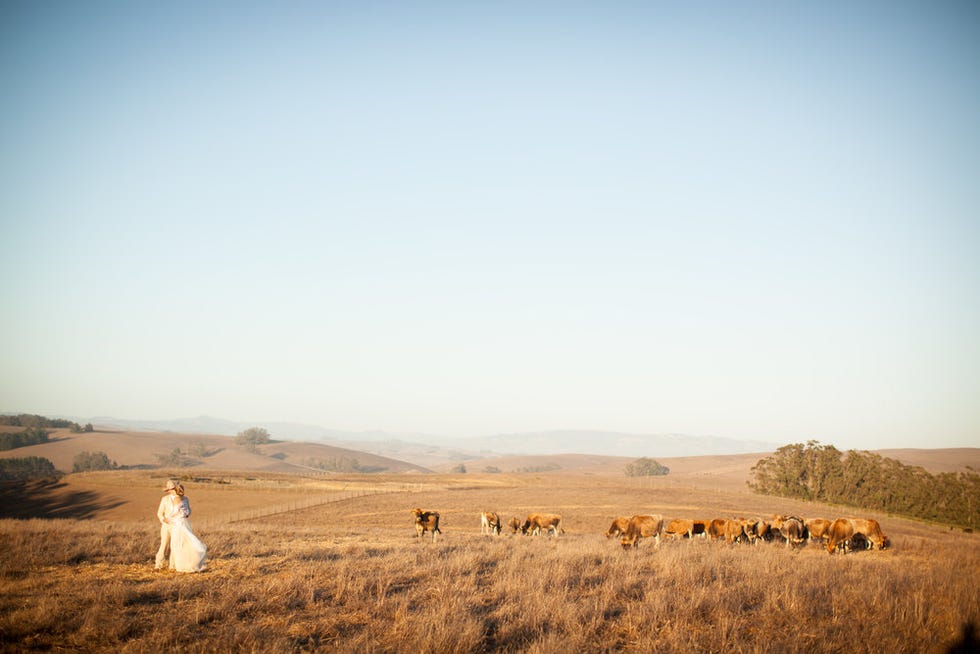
<point>187,552</point>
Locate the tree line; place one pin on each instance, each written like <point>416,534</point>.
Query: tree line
<point>33,421</point>
<point>30,436</point>
<point>816,472</point>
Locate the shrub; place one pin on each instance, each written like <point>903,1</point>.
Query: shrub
<point>88,461</point>
<point>645,467</point>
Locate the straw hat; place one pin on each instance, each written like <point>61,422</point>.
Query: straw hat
<point>171,485</point>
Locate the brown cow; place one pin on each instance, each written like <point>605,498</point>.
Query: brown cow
<point>840,533</point>
<point>489,523</point>
<point>734,531</point>
<point>618,526</point>
<point>514,524</point>
<point>642,526</point>
<point>716,528</point>
<point>818,528</point>
<point>700,528</point>
<point>535,522</point>
<point>865,529</point>
<point>680,528</point>
<point>426,521</point>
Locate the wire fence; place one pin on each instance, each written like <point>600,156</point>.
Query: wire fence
<point>288,507</point>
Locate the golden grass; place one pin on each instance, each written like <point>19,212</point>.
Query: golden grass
<point>353,577</point>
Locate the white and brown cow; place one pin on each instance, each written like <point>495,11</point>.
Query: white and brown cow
<point>790,527</point>
<point>514,524</point>
<point>426,521</point>
<point>489,523</point>
<point>549,522</point>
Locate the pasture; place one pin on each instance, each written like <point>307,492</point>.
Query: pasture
<point>334,564</point>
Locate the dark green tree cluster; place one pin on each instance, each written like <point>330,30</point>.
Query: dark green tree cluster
<point>818,472</point>
<point>32,420</point>
<point>28,467</point>
<point>30,436</point>
<point>645,467</point>
<point>89,461</point>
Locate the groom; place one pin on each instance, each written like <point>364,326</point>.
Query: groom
<point>163,553</point>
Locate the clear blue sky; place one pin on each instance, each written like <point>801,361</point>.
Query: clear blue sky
<point>751,220</point>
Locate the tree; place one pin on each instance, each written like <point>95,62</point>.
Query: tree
<point>459,469</point>
<point>251,437</point>
<point>645,467</point>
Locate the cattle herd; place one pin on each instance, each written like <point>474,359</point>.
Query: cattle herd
<point>840,535</point>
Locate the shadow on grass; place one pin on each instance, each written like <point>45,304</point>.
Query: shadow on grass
<point>48,498</point>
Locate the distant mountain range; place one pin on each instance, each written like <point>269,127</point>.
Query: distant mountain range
<point>398,445</point>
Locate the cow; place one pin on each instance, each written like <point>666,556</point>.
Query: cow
<point>817,528</point>
<point>871,531</point>
<point>716,528</point>
<point>618,526</point>
<point>679,528</point>
<point>839,534</point>
<point>700,528</point>
<point>426,521</point>
<point>642,526</point>
<point>514,524</point>
<point>734,531</point>
<point>754,529</point>
<point>489,523</point>
<point>791,528</point>
<point>535,522</point>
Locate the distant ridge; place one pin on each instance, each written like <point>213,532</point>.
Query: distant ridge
<point>613,444</point>
<point>606,443</point>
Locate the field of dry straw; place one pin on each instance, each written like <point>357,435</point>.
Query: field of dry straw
<point>350,575</point>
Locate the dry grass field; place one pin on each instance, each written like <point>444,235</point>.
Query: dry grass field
<point>347,573</point>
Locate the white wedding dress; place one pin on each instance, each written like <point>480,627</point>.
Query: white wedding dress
<point>187,552</point>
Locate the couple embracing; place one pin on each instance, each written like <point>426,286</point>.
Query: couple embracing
<point>187,552</point>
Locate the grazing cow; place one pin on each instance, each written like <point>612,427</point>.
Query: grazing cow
<point>535,522</point>
<point>871,531</point>
<point>818,528</point>
<point>618,527</point>
<point>642,526</point>
<point>734,531</point>
<point>514,524</point>
<point>426,521</point>
<point>840,533</point>
<point>754,529</point>
<point>489,523</point>
<point>791,528</point>
<point>680,528</point>
<point>716,528</point>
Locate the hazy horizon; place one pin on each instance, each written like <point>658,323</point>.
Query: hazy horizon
<point>756,222</point>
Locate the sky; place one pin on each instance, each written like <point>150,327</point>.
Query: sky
<point>746,220</point>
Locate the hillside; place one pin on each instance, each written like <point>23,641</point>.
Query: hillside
<point>141,449</point>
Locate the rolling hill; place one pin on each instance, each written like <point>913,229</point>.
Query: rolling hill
<point>144,449</point>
